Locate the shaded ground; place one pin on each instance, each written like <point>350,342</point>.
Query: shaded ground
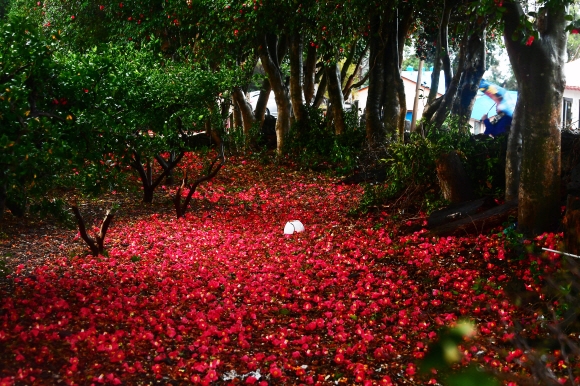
<point>222,296</point>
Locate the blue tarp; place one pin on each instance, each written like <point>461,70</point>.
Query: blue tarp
<point>485,105</point>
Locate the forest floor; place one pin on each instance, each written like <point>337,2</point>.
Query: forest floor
<point>222,296</point>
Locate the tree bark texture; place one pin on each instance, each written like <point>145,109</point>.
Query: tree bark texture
<point>297,77</point>
<point>310,73</point>
<point>395,103</point>
<point>268,56</point>
<point>514,152</point>
<point>453,179</point>
<point>442,51</point>
<point>448,98</point>
<point>146,173</point>
<point>375,131</point>
<point>478,223</point>
<point>211,172</point>
<point>335,97</point>
<point>572,225</point>
<point>318,99</point>
<point>238,120</point>
<point>538,67</point>
<point>97,244</point>
<point>245,110</point>
<point>349,84</point>
<point>262,102</point>
<point>391,99</point>
<point>471,74</point>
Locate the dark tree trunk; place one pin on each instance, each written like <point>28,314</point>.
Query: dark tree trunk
<point>335,96</point>
<point>146,173</point>
<point>572,225</point>
<point>450,94</point>
<point>310,74</point>
<point>297,77</point>
<point>262,103</point>
<point>349,84</point>
<point>210,173</point>
<point>169,165</point>
<point>348,61</point>
<point>471,74</point>
<point>97,244</point>
<point>453,179</point>
<point>538,67</point>
<point>211,132</point>
<point>269,57</point>
<point>429,111</point>
<point>479,223</point>
<point>404,25</point>
<point>400,86</point>
<point>442,53</point>
<point>245,110</point>
<point>238,120</point>
<point>375,130</point>
<point>514,152</point>
<point>319,98</point>
<point>391,99</point>
<point>395,104</point>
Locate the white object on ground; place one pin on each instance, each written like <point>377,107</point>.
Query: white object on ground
<point>293,226</point>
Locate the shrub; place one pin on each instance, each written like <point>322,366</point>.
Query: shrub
<point>314,145</point>
<point>410,166</point>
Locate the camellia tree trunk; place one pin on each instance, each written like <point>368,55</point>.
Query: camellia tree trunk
<point>335,97</point>
<point>375,131</point>
<point>393,82</point>
<point>262,103</point>
<point>310,73</point>
<point>245,110</point>
<point>297,77</point>
<point>471,74</point>
<point>513,159</point>
<point>448,98</point>
<point>266,50</point>
<point>442,53</point>
<point>538,64</point>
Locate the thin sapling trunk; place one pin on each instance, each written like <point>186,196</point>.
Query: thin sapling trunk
<point>210,173</point>
<point>97,244</point>
<point>146,173</point>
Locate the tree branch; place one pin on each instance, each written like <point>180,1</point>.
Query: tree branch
<point>83,231</point>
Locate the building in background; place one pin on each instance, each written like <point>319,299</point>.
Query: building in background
<point>571,98</point>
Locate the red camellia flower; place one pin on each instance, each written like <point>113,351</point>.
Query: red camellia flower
<point>72,17</point>
<point>575,31</point>
<point>530,41</point>
<point>223,288</point>
<point>101,7</point>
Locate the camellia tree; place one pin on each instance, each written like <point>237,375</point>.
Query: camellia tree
<point>536,43</point>
<point>39,139</point>
<point>137,108</point>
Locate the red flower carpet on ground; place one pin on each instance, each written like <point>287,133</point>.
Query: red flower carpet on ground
<point>224,296</point>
